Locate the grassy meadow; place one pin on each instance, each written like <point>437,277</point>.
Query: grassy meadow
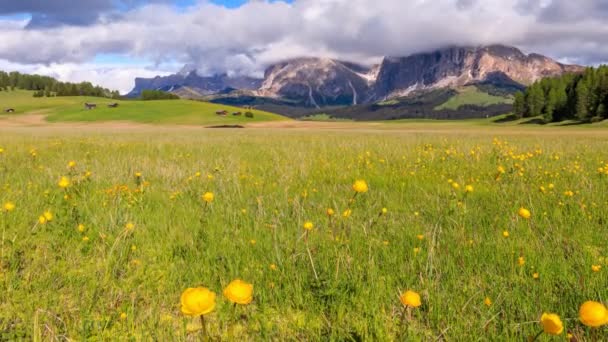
<point>471,95</point>
<point>107,257</point>
<point>184,112</point>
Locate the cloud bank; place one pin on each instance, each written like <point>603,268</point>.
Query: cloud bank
<point>245,40</point>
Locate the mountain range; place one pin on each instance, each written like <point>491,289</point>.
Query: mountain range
<point>310,84</point>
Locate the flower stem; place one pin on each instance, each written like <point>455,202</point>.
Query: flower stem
<point>537,336</point>
<point>205,336</point>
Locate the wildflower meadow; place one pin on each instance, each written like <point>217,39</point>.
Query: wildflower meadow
<point>291,235</point>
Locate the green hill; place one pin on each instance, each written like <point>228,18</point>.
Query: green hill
<point>471,95</point>
<point>161,112</point>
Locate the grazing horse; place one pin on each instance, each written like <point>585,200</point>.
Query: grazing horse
<point>113,105</point>
<point>90,106</point>
<point>9,110</point>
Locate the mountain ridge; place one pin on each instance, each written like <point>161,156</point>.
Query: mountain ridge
<point>318,82</point>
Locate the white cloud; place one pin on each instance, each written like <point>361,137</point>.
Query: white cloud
<point>246,39</point>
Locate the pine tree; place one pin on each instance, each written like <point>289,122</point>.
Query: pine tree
<point>582,100</point>
<point>519,105</point>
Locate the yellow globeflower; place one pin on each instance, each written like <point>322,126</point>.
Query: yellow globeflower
<point>42,219</point>
<point>208,197</point>
<point>129,226</point>
<point>360,186</point>
<point>505,234</point>
<point>521,261</point>
<point>596,268</point>
<point>64,182</point>
<point>239,292</point>
<point>593,314</point>
<point>384,211</point>
<point>48,215</point>
<point>197,301</point>
<point>9,206</point>
<point>524,213</point>
<point>308,225</point>
<point>410,298</point>
<point>552,324</point>
<point>71,164</point>
<point>487,301</point>
<point>469,188</point>
<point>347,213</point>
<point>81,228</point>
<point>330,212</point>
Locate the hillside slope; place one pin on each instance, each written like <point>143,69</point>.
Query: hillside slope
<point>165,112</point>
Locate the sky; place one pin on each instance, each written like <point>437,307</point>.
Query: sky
<point>110,42</point>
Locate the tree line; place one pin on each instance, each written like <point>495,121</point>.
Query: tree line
<point>44,86</point>
<point>581,97</point>
<point>148,95</point>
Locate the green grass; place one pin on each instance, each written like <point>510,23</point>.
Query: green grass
<point>322,117</point>
<point>156,112</point>
<point>339,282</point>
<point>472,96</point>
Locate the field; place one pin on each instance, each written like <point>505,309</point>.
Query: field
<point>182,112</point>
<point>473,96</point>
<point>131,232</point>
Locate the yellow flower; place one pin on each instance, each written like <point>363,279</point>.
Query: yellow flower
<point>9,206</point>
<point>330,212</point>
<point>501,169</point>
<point>41,219</point>
<point>347,213</point>
<point>384,211</point>
<point>308,225</point>
<point>273,267</point>
<point>535,275</point>
<point>123,316</point>
<point>596,268</point>
<point>593,314</point>
<point>71,164</point>
<point>416,250</point>
<point>208,197</point>
<point>487,301</point>
<point>455,185</point>
<point>48,215</point>
<point>85,238</point>
<point>64,182</point>
<point>521,261</point>
<point>420,237</point>
<point>468,188</point>
<point>129,226</point>
<point>524,213</point>
<point>360,186</point>
<point>505,234</point>
<point>239,292</point>
<point>410,298</point>
<point>81,228</point>
<point>197,301</point>
<point>137,174</point>
<point>552,324</point>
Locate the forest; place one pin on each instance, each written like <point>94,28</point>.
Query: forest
<point>582,97</point>
<point>44,86</point>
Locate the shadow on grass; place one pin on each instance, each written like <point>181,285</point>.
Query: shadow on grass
<point>534,121</point>
<point>508,118</point>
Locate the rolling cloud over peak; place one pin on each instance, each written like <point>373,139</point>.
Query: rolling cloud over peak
<point>245,39</point>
